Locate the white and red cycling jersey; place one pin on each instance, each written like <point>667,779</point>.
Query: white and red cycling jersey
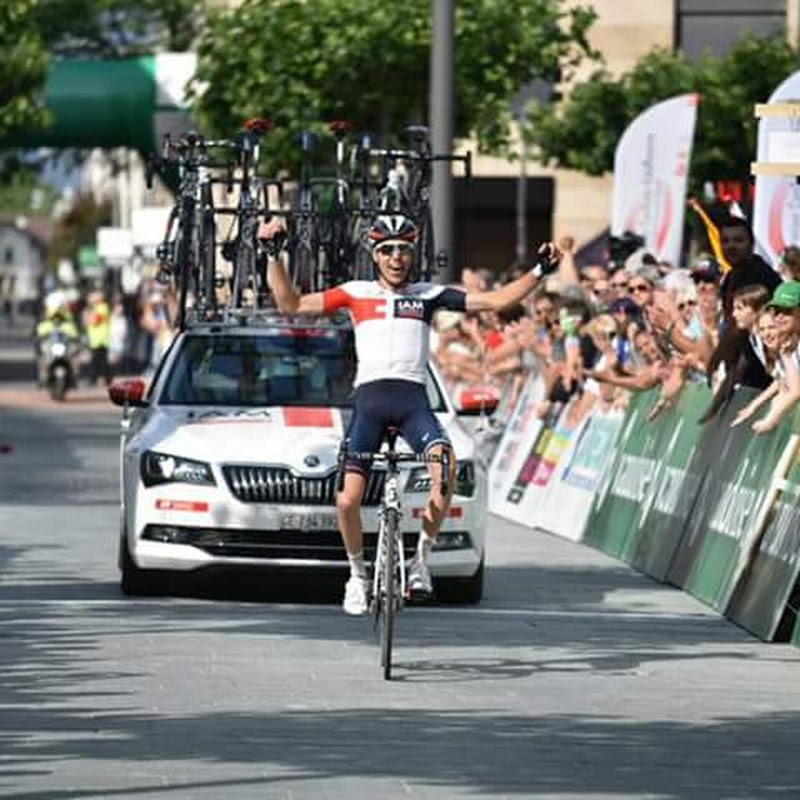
<point>392,328</point>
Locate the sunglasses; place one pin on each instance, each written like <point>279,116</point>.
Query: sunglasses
<point>394,249</point>
<point>639,288</point>
<point>689,303</point>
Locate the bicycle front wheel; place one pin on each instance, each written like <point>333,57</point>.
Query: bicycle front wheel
<point>389,591</point>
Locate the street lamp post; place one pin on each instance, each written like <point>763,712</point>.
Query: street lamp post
<point>535,90</point>
<point>441,123</point>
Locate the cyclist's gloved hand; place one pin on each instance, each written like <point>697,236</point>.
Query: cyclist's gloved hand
<point>272,236</point>
<point>547,260</point>
<point>273,246</point>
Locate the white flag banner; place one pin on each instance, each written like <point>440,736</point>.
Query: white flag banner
<point>776,209</point>
<point>651,165</point>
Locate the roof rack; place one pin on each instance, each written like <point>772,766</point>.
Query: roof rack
<point>268,317</point>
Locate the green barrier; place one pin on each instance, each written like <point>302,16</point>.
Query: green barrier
<point>617,505</point>
<point>734,489</point>
<point>675,486</point>
<point>764,600</point>
<point>718,452</point>
<point>712,509</point>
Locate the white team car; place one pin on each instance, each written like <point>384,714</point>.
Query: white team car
<point>230,459</point>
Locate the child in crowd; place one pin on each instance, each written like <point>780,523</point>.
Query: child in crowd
<point>739,359</point>
<point>784,391</point>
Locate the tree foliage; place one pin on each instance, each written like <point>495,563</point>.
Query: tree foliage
<point>119,28</point>
<point>302,64</point>
<point>23,65</point>
<point>583,131</point>
<point>76,228</point>
<point>22,190</point>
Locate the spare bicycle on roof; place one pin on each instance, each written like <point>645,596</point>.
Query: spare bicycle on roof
<point>210,253</point>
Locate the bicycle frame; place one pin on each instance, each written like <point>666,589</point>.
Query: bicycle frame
<point>388,573</point>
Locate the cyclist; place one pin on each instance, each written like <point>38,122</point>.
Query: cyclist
<point>391,316</point>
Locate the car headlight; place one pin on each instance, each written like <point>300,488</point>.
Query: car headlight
<point>420,480</point>
<point>159,468</point>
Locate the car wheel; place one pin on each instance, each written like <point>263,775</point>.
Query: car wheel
<point>461,590</point>
<point>133,579</point>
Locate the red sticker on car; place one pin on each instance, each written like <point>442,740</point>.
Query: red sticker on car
<point>308,417</point>
<point>181,505</point>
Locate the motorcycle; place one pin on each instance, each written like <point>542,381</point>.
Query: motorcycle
<point>58,352</point>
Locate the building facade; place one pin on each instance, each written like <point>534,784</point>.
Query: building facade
<point>22,252</point>
<point>626,30</point>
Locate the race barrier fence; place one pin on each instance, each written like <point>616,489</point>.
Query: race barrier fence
<point>711,509</point>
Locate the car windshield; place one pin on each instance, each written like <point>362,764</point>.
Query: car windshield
<point>297,367</point>
<point>284,367</point>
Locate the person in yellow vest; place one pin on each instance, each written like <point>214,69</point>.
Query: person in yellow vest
<point>57,319</point>
<point>97,324</point>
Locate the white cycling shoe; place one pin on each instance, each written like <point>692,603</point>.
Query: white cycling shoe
<point>355,597</point>
<point>419,582</point>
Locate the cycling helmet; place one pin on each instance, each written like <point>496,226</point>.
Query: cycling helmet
<point>391,228</point>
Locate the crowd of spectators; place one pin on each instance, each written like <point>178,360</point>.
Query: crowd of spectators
<point>602,331</point>
<point>119,334</point>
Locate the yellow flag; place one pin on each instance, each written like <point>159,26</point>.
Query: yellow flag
<point>712,231</point>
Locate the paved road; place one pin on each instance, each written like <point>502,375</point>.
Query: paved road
<point>576,678</point>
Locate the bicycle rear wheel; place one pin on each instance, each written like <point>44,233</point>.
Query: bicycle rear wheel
<point>388,597</point>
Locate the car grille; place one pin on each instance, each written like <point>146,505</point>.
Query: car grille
<point>259,484</point>
<point>325,545</point>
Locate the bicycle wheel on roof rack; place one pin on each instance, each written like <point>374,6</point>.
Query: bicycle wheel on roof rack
<point>363,267</point>
<point>339,250</point>
<point>426,266</point>
<point>185,269</point>
<point>207,291</point>
<point>302,267</point>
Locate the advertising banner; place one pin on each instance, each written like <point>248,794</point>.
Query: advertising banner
<point>651,164</point>
<point>675,485</point>
<point>628,482</point>
<point>546,460</point>
<point>534,448</point>
<point>776,209</point>
<point>566,507</point>
<point>727,509</point>
<point>523,426</point>
<point>717,455</point>
<point>772,562</point>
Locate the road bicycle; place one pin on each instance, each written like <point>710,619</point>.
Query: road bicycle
<point>320,244</point>
<point>389,592</point>
<point>249,279</point>
<point>404,188</point>
<point>187,254</point>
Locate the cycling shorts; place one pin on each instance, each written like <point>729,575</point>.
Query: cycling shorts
<point>390,402</point>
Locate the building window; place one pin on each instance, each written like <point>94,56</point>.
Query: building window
<point>716,25</point>
<point>8,255</point>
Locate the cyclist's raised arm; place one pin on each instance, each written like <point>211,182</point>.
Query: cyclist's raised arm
<point>287,298</point>
<point>514,292</point>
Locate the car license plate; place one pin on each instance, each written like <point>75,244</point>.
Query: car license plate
<point>314,521</point>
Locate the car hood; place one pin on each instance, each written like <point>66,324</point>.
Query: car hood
<point>306,438</point>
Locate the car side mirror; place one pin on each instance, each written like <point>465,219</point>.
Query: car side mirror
<point>478,400</point>
<point>128,392</point>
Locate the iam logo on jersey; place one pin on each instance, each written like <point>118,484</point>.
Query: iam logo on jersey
<point>409,308</point>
